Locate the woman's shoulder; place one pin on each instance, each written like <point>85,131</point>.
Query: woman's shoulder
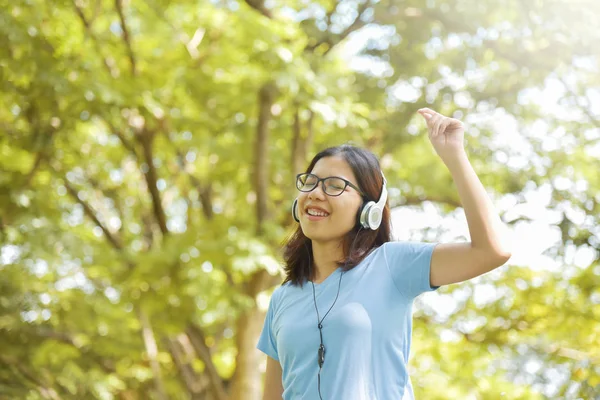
<point>284,295</point>
<point>406,250</point>
<point>282,289</point>
<point>406,245</point>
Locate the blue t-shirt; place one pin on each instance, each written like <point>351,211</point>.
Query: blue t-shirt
<point>366,335</point>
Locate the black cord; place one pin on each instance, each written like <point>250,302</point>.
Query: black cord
<point>321,351</point>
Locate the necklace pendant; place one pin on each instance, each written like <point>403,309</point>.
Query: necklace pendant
<point>321,356</point>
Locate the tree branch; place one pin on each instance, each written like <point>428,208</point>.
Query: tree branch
<point>297,156</point>
<point>310,132</point>
<point>182,360</point>
<point>42,133</point>
<point>124,141</point>
<point>259,5</point>
<point>66,338</point>
<point>205,191</point>
<point>109,193</point>
<point>261,174</point>
<point>355,25</point>
<point>301,142</point>
<point>146,139</point>
<point>46,392</point>
<point>206,201</point>
<point>197,340</point>
<point>38,162</point>
<point>41,156</point>
<point>112,71</point>
<point>191,44</point>
<point>126,38</point>
<point>89,211</point>
<point>334,40</point>
<point>152,351</point>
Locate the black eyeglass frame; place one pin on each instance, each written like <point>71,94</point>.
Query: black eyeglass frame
<point>322,181</point>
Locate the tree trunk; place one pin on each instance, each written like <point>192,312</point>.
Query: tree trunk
<point>247,382</point>
<point>152,351</point>
<point>266,97</point>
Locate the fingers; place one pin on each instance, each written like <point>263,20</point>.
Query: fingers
<point>434,125</point>
<point>432,119</point>
<point>436,122</point>
<point>427,116</point>
<point>427,113</point>
<point>446,122</point>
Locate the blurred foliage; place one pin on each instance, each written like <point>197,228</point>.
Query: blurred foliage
<point>147,151</point>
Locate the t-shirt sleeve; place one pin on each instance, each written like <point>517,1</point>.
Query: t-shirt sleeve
<point>410,266</point>
<point>266,342</point>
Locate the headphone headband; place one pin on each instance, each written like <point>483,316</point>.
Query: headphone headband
<point>383,198</point>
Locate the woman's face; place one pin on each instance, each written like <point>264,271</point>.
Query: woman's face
<point>339,211</point>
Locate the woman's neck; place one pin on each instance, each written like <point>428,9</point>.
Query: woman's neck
<point>325,259</point>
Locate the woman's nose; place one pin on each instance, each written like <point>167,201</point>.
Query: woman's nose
<point>317,192</point>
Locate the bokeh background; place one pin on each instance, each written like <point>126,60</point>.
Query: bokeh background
<point>147,158</point>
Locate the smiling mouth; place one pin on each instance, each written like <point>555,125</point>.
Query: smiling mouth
<point>316,213</point>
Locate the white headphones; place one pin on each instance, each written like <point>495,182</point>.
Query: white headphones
<point>369,216</point>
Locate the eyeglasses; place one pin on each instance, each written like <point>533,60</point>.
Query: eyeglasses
<point>332,185</point>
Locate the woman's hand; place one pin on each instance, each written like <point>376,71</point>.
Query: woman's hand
<point>446,134</point>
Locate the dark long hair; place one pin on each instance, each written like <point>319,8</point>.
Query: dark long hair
<point>297,249</point>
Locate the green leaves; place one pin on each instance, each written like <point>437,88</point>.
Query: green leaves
<point>15,160</point>
<point>86,110</point>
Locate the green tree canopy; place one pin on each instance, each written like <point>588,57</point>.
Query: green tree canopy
<point>147,155</point>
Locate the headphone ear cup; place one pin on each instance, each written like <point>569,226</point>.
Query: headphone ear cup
<point>365,211</point>
<point>295,211</point>
<point>371,214</point>
<point>374,217</point>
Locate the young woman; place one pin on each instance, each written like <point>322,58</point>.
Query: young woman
<point>339,327</point>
